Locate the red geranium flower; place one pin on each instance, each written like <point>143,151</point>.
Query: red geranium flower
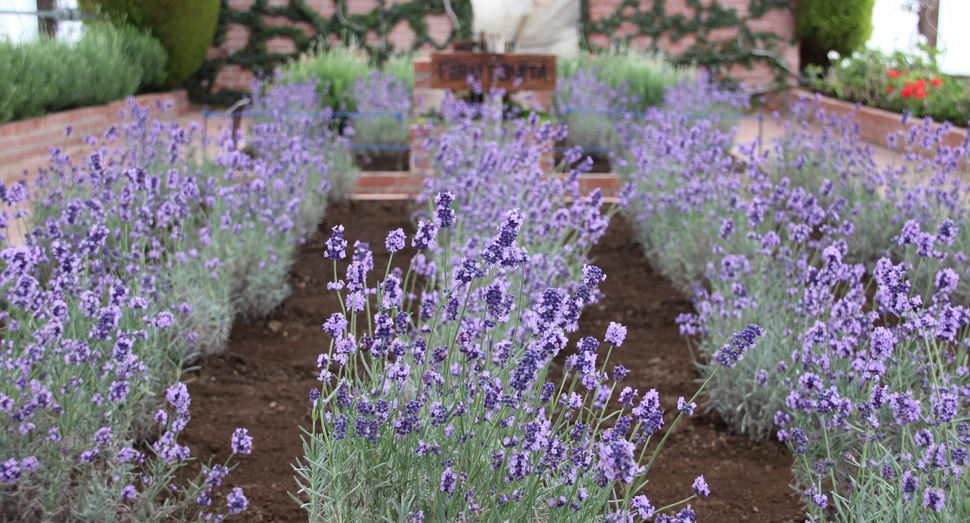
<point>920,84</point>
<point>907,91</point>
<point>920,94</point>
<point>893,73</point>
<point>936,82</point>
<point>891,88</point>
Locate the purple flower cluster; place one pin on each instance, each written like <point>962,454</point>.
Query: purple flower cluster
<point>136,255</point>
<point>794,239</point>
<point>466,375</point>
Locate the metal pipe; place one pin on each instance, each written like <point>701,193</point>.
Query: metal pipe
<point>63,15</point>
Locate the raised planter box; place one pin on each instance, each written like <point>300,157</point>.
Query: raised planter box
<point>25,139</point>
<point>874,124</point>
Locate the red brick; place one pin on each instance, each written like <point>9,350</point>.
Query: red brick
<point>280,44</point>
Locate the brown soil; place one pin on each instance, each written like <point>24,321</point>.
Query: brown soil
<point>261,382</point>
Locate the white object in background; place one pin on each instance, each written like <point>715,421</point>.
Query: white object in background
<point>536,26</point>
<point>893,27</point>
<point>494,42</point>
<point>20,28</point>
<point>896,28</point>
<point>953,38</point>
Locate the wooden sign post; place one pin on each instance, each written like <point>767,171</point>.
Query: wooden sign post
<point>512,72</point>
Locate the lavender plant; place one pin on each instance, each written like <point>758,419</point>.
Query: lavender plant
<point>589,107</point>
<point>448,414</point>
<point>482,165</point>
<point>381,92</point>
<point>81,353</point>
<point>859,389</point>
<point>131,254</point>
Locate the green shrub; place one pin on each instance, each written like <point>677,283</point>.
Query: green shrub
<point>832,25</point>
<point>147,53</point>
<point>645,74</point>
<point>184,27</point>
<point>897,82</point>
<point>337,69</point>
<point>46,75</point>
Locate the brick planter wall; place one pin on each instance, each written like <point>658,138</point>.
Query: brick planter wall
<point>874,124</point>
<point>31,138</point>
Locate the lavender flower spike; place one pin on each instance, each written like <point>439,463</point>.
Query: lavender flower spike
<point>395,240</point>
<point>336,245</point>
<point>242,443</point>
<point>731,354</point>
<point>444,215</point>
<point>615,334</point>
<point>425,236</point>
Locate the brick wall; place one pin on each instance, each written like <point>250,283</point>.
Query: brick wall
<point>31,138</point>
<point>401,37</point>
<point>778,21</point>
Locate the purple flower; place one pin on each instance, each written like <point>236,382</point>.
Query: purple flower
<point>395,240</point>
<point>448,481</point>
<point>10,471</point>
<point>129,492</point>
<point>178,396</point>
<point>336,325</point>
<point>617,461</point>
<point>731,354</point>
<point>642,506</point>
<point>686,408</point>
<point>336,245</point>
<point>821,500</point>
<point>425,236</point>
<point>619,371</point>
<point>649,412</point>
<point>934,499</point>
<point>444,215</point>
<point>881,343</point>
<point>103,436</point>
<point>29,464</point>
<point>700,487</point>
<point>236,502</point>
<point>242,443</point>
<point>615,334</point>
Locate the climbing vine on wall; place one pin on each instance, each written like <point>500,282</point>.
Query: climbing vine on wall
<point>256,57</point>
<point>652,20</point>
<point>700,21</point>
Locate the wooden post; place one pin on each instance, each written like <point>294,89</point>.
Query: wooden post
<point>46,26</point>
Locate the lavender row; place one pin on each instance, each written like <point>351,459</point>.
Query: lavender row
<point>855,274</point>
<point>135,259</point>
<point>442,394</point>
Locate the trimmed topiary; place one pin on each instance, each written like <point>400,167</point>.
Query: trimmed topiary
<point>185,28</point>
<point>831,25</point>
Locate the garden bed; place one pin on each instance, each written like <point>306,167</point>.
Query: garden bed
<point>874,124</point>
<point>263,379</point>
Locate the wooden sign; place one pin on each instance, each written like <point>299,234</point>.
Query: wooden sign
<point>512,72</point>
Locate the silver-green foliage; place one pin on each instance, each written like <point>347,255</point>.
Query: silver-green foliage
<point>46,74</point>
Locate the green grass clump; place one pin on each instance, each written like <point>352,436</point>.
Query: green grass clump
<point>644,73</point>
<point>46,74</point>
<point>337,69</point>
<point>185,28</point>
